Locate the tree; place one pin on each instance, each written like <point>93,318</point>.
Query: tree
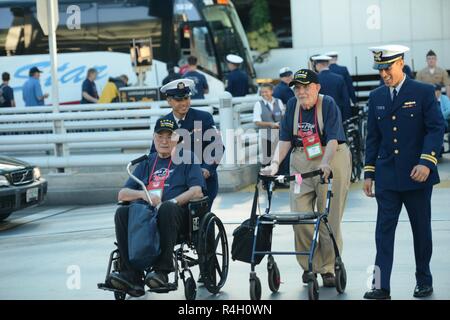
<point>261,36</point>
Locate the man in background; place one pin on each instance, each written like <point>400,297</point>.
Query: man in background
<point>432,74</point>
<point>32,91</point>
<point>6,92</point>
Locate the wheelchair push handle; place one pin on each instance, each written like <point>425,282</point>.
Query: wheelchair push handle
<point>140,159</point>
<point>132,163</point>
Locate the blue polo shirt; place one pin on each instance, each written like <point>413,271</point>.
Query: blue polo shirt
<point>181,176</point>
<point>200,84</point>
<point>90,88</point>
<point>283,92</point>
<point>31,90</point>
<point>332,123</point>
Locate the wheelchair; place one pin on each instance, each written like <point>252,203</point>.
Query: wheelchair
<point>269,219</point>
<point>204,243</point>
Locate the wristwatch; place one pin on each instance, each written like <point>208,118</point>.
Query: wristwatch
<point>174,201</point>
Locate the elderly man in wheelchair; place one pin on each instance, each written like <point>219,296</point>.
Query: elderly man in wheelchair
<point>175,188</point>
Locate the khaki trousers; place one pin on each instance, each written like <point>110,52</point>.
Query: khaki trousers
<point>313,196</point>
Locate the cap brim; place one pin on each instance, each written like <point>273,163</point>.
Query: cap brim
<point>381,66</point>
<point>286,74</point>
<point>164,129</point>
<point>179,96</point>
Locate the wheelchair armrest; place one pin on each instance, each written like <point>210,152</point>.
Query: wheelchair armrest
<point>123,203</point>
<point>199,200</point>
<point>199,207</point>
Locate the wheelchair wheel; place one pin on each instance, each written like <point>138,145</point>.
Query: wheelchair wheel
<point>255,288</point>
<point>120,295</point>
<point>273,276</point>
<point>213,253</point>
<point>313,290</point>
<point>340,276</point>
<point>190,289</point>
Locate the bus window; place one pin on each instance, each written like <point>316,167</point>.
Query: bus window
<point>202,49</point>
<point>187,10</point>
<point>11,30</point>
<point>77,35</point>
<point>228,36</point>
<point>18,30</point>
<point>122,21</point>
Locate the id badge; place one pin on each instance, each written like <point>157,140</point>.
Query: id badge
<point>312,147</point>
<point>156,188</point>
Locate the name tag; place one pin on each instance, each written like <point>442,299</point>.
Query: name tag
<point>380,107</point>
<point>156,192</point>
<point>314,150</point>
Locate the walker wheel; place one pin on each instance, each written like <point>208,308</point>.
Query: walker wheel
<point>340,277</point>
<point>313,289</point>
<point>255,289</point>
<point>274,278</point>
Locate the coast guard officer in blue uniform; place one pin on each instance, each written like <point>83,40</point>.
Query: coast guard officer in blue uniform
<point>343,71</point>
<point>282,90</point>
<point>237,80</point>
<point>405,133</point>
<point>197,123</point>
<point>332,84</point>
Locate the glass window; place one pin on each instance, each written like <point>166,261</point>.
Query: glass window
<point>228,34</point>
<point>187,10</point>
<point>122,21</point>
<point>203,50</point>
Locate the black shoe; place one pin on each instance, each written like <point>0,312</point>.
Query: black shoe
<point>377,294</point>
<point>328,280</point>
<point>200,279</point>
<point>156,279</point>
<point>422,291</point>
<point>121,282</point>
<point>305,276</point>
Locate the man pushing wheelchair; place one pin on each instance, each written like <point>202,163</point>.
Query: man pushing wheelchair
<point>171,184</point>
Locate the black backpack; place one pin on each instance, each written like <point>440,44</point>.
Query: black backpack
<point>244,235</point>
<point>2,98</point>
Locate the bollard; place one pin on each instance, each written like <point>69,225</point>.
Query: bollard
<point>227,129</point>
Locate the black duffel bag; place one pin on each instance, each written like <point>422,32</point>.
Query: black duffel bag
<point>143,235</point>
<point>243,236</point>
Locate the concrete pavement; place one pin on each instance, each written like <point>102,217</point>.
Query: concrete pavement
<point>43,251</point>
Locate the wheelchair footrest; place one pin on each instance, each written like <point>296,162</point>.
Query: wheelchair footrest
<point>289,217</point>
<point>107,287</point>
<point>165,289</point>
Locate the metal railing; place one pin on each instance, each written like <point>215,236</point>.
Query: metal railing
<point>112,134</point>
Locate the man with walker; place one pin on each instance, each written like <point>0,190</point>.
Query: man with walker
<point>313,126</point>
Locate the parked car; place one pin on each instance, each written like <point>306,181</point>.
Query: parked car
<point>21,186</point>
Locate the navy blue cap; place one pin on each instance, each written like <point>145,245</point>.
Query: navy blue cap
<point>165,125</point>
<point>33,70</point>
<point>304,76</point>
